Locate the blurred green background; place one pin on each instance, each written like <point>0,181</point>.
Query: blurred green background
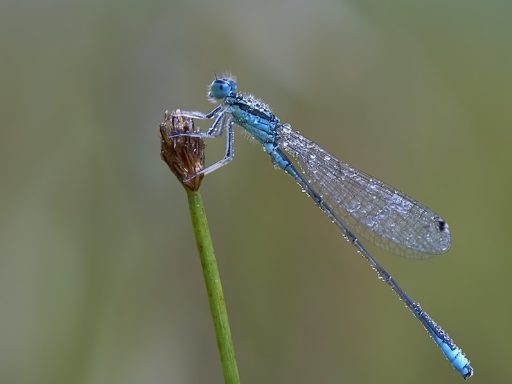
<point>100,280</point>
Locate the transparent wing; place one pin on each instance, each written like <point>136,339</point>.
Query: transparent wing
<point>370,208</point>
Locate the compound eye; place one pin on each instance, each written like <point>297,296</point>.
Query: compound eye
<point>219,89</point>
<point>232,85</point>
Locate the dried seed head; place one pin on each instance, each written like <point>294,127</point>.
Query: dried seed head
<point>184,155</point>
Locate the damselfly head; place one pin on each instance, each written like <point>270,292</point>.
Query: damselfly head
<point>221,88</point>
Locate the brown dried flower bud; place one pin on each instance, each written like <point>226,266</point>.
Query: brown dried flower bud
<point>184,155</point>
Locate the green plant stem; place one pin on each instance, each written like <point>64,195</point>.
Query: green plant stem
<point>213,286</point>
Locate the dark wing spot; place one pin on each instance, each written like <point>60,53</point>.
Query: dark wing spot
<point>442,225</point>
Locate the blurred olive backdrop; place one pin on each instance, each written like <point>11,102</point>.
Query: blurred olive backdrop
<point>100,280</point>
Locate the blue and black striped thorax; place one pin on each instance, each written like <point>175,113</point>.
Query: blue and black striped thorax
<point>254,116</point>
